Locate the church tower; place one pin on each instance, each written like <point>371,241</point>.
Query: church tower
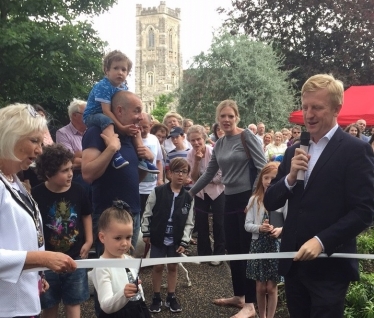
<point>158,66</point>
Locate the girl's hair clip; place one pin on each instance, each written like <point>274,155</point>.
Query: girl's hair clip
<point>122,205</point>
<point>119,204</point>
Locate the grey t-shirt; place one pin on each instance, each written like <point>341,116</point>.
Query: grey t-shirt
<point>230,156</point>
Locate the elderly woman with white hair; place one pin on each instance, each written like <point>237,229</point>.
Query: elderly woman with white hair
<point>21,234</point>
<point>210,198</point>
<point>173,119</point>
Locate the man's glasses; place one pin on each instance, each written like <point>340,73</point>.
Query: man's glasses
<point>296,132</point>
<point>183,172</point>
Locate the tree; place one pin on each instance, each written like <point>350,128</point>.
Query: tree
<point>246,71</point>
<point>162,106</point>
<point>47,56</point>
<point>331,36</point>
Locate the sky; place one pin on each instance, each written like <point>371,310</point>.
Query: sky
<point>199,19</point>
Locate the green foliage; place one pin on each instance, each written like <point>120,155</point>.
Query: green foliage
<point>360,296</point>
<point>246,71</point>
<point>359,299</point>
<point>48,57</point>
<point>162,106</point>
<point>365,242</point>
<point>332,36</point>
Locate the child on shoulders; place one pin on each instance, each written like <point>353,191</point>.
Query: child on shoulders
<point>116,66</point>
<point>167,225</point>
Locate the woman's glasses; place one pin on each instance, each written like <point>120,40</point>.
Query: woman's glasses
<point>32,111</point>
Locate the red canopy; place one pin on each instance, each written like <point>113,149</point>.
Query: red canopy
<point>358,104</point>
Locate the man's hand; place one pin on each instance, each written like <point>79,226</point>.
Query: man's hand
<point>298,162</point>
<point>145,153</point>
<point>112,142</point>
<point>309,250</point>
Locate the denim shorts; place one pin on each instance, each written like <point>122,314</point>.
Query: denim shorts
<point>71,288</point>
<point>99,120</point>
<point>164,251</point>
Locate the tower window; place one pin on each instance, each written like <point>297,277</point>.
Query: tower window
<point>151,38</point>
<point>150,78</point>
<point>170,40</point>
<point>174,79</point>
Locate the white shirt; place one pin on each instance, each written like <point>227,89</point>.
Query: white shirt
<point>169,146</point>
<point>150,181</point>
<point>19,291</point>
<point>315,151</point>
<point>110,285</point>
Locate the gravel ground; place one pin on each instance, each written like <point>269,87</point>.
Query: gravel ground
<point>208,282</point>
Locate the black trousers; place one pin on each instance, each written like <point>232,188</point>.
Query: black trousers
<point>238,241</point>
<point>202,209</point>
<point>311,298</point>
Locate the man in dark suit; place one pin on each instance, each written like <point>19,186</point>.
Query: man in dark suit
<point>326,211</point>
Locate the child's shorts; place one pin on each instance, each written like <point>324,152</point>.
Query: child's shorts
<point>164,251</point>
<point>71,288</point>
<point>99,120</point>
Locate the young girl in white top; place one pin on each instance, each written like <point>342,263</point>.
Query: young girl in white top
<point>117,292</point>
<point>264,240</point>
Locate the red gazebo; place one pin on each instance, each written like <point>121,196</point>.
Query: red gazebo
<point>358,104</point>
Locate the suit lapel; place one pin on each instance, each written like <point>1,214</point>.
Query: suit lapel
<point>325,156</point>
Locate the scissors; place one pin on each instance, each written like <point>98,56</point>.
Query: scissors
<point>137,278</point>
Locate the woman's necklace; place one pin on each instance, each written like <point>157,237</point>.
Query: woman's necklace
<point>9,178</point>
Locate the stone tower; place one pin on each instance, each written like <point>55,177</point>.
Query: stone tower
<point>158,66</point>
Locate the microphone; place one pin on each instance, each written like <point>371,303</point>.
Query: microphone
<point>304,145</point>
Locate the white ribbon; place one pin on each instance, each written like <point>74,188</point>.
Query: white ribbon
<point>135,262</point>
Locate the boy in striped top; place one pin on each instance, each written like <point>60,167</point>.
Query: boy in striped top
<point>180,151</point>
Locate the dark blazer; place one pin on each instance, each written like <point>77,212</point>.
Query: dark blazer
<point>336,205</point>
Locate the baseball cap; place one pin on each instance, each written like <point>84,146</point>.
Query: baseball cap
<point>176,131</point>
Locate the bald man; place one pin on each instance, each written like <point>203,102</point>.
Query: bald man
<point>361,123</point>
<point>108,183</point>
<point>253,128</point>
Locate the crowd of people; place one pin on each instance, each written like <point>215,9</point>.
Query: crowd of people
<point>115,171</point>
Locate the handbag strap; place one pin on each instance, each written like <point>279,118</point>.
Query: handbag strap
<point>242,137</point>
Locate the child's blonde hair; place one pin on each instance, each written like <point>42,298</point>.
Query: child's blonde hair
<point>259,193</point>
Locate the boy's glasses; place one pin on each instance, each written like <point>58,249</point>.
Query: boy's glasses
<point>183,172</point>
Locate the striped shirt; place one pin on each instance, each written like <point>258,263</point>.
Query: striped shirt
<point>175,154</point>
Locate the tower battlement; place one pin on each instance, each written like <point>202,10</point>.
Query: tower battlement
<point>161,9</point>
